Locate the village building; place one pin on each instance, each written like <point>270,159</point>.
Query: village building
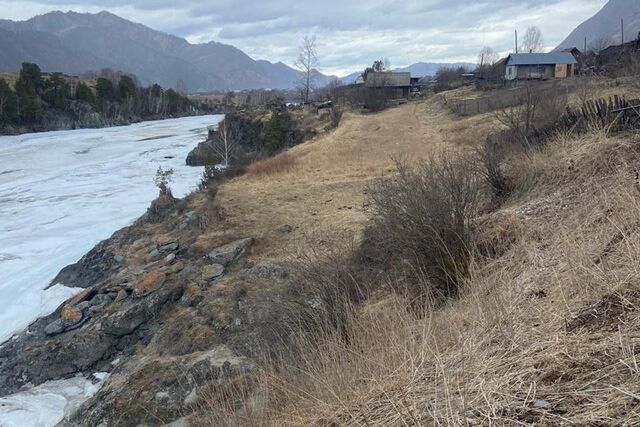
<point>540,66</point>
<point>395,84</point>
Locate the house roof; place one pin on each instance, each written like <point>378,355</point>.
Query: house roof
<point>388,79</point>
<point>541,58</point>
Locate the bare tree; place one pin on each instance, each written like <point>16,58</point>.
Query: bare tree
<point>487,58</point>
<point>600,44</point>
<point>533,40</point>
<point>307,61</point>
<point>225,143</point>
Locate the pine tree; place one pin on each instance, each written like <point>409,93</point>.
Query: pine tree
<point>8,104</point>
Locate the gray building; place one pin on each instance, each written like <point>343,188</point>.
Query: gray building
<point>541,66</point>
<point>395,84</point>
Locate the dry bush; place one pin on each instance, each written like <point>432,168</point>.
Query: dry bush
<point>537,110</point>
<point>280,163</point>
<point>491,158</point>
<point>422,222</point>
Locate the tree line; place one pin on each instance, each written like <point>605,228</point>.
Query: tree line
<point>49,101</point>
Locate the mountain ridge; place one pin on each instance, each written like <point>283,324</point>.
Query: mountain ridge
<point>153,56</point>
<point>605,25</point>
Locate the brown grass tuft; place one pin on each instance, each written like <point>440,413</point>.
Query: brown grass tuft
<point>277,164</point>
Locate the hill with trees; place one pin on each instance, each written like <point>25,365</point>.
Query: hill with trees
<point>41,102</point>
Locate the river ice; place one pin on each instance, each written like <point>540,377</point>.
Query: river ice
<point>62,192</point>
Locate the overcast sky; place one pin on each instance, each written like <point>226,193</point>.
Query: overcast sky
<point>351,34</point>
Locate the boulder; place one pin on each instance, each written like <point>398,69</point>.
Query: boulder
<point>169,259</point>
<point>54,328</point>
<point>149,283</point>
<point>230,252</point>
<point>170,247</point>
<point>212,272</point>
<point>70,315</point>
<point>154,255</point>
<point>122,295</point>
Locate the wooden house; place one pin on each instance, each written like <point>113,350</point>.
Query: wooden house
<point>540,66</point>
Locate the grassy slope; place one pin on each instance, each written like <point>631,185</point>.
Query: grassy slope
<point>545,333</point>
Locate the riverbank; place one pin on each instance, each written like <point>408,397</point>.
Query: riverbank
<point>188,301</point>
<point>62,192</point>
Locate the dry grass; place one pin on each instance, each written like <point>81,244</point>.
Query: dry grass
<point>277,164</point>
<point>543,334</point>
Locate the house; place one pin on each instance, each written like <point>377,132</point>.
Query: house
<point>394,84</point>
<point>542,66</point>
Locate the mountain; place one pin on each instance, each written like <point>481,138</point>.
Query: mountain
<point>77,42</point>
<point>605,25</point>
<point>420,69</point>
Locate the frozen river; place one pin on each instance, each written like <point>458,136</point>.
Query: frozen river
<point>63,192</point>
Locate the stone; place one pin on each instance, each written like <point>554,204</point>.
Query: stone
<point>70,315</point>
<point>133,313</point>
<point>166,240</point>
<point>170,247</point>
<point>176,267</point>
<point>230,252</point>
<point>285,229</point>
<point>169,259</point>
<point>153,255</point>
<point>542,404</point>
<point>122,295</point>
<point>100,299</point>
<point>83,305</point>
<point>95,309</point>
<point>118,258</point>
<point>54,328</point>
<point>211,272</point>
<point>150,283</point>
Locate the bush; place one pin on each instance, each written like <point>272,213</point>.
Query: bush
<point>423,220</point>
<point>491,158</point>
<point>277,130</point>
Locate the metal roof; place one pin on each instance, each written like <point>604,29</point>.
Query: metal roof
<point>388,79</point>
<point>541,58</point>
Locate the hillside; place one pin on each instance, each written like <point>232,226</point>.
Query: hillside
<point>78,42</point>
<point>605,25</point>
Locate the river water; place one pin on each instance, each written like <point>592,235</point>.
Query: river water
<point>62,192</point>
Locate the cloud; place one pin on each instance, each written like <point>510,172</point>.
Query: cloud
<point>351,34</point>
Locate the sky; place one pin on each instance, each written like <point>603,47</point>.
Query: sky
<point>350,34</point>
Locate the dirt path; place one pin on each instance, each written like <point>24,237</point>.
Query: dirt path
<point>324,194</point>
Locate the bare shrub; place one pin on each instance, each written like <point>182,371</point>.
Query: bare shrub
<point>422,218</point>
<point>279,163</point>
<point>535,110</point>
<point>492,155</point>
<point>335,115</point>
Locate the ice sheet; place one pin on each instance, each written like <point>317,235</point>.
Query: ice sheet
<point>49,403</point>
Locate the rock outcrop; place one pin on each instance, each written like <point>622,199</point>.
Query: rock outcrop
<point>151,315</point>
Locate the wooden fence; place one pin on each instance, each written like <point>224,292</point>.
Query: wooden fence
<point>504,98</point>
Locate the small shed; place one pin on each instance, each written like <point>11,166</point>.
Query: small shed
<point>396,82</point>
<point>541,66</point>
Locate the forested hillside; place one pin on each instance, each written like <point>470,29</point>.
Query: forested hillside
<point>40,102</point>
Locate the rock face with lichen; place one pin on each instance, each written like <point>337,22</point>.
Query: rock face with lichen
<point>153,313</point>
